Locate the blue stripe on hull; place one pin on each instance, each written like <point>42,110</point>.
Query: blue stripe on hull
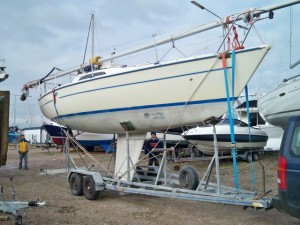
<point>142,107</point>
<point>94,142</point>
<point>227,138</point>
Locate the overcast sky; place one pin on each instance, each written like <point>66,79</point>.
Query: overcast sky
<point>38,35</point>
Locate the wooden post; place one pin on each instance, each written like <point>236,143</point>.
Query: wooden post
<point>4,123</point>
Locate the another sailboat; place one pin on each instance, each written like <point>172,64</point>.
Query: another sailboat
<point>280,104</point>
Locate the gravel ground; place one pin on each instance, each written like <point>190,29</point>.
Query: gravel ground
<point>113,209</point>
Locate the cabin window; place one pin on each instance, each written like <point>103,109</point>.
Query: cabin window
<point>85,77</point>
<point>91,75</point>
<point>99,73</point>
<point>242,124</point>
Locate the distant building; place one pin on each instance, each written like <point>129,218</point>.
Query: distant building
<point>36,135</point>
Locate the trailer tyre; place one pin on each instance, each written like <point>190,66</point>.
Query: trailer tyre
<point>249,157</point>
<point>76,183</point>
<point>89,188</point>
<point>188,178</point>
<point>255,156</point>
<point>18,220</point>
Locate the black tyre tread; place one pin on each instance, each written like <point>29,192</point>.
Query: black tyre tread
<point>76,188</point>
<point>190,173</point>
<point>89,188</point>
<point>255,156</point>
<point>248,157</point>
<point>18,220</point>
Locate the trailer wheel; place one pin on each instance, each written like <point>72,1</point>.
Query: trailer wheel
<point>188,178</point>
<point>76,182</point>
<point>89,188</point>
<point>18,220</point>
<point>249,157</point>
<point>255,156</point>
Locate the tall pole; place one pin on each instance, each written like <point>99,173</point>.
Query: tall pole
<point>15,111</point>
<point>15,108</point>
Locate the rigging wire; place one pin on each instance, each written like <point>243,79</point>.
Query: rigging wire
<point>291,33</point>
<point>87,39</point>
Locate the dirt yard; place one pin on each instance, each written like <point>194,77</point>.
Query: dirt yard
<point>113,209</point>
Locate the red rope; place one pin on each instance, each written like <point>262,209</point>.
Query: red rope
<point>224,63</point>
<point>54,96</point>
<point>236,44</point>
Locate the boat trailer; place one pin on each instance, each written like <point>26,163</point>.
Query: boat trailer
<point>155,180</point>
<point>14,208</point>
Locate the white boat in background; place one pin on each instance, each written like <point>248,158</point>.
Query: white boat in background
<point>202,137</point>
<point>283,102</point>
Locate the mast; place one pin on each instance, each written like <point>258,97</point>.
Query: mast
<point>230,19</point>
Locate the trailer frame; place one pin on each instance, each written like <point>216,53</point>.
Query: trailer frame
<point>157,181</point>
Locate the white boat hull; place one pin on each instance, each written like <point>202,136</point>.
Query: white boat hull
<point>224,148</point>
<point>153,97</point>
<point>202,138</point>
<point>280,104</point>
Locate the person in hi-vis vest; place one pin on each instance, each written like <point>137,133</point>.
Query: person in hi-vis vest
<point>23,148</point>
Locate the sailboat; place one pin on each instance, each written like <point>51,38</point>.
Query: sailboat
<point>281,103</point>
<point>122,99</point>
<point>146,97</point>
